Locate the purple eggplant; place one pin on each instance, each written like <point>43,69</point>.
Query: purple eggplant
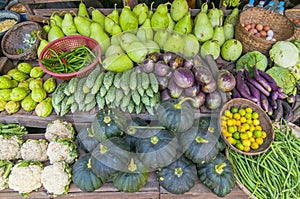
<point>155,56</point>
<point>176,62</point>
<point>188,63</point>
<point>165,95</point>
<point>274,95</point>
<point>148,65</point>
<point>213,100</point>
<point>270,80</point>
<point>282,95</point>
<point>256,83</point>
<point>202,75</point>
<point>243,88</point>
<point>254,92</point>
<point>161,69</point>
<point>167,56</point>
<point>210,87</point>
<point>270,110</point>
<point>278,113</point>
<point>199,100</point>
<point>287,111</point>
<point>260,79</point>
<point>174,90</point>
<point>192,91</point>
<point>162,82</point>
<point>183,77</point>
<point>226,81</point>
<point>264,102</point>
<point>235,93</point>
<point>272,103</point>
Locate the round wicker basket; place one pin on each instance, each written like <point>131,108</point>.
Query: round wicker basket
<point>293,14</point>
<point>13,40</point>
<point>277,23</point>
<point>265,123</point>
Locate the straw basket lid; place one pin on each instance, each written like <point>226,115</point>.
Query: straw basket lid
<point>264,119</point>
<point>275,21</point>
<point>12,41</point>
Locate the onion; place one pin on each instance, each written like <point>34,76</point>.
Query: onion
<point>183,77</point>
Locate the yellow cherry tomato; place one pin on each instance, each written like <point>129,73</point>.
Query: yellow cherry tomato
<point>264,134</point>
<point>246,143</point>
<point>248,110</point>
<point>256,122</point>
<point>247,148</point>
<point>259,141</point>
<point>254,146</point>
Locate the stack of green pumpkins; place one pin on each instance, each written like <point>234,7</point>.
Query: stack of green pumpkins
<point>24,87</point>
<point>177,147</point>
<point>134,33</point>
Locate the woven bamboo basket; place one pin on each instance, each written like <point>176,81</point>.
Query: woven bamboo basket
<point>293,15</point>
<point>282,27</point>
<point>264,119</point>
<point>13,40</point>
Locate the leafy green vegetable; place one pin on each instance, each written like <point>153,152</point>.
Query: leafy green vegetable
<point>284,54</point>
<point>250,59</point>
<point>284,79</point>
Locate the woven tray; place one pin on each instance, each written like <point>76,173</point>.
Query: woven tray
<point>293,14</point>
<point>282,27</point>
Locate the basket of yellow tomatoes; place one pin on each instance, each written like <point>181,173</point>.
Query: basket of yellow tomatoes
<point>245,127</point>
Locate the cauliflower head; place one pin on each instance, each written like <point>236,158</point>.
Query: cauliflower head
<point>34,150</point>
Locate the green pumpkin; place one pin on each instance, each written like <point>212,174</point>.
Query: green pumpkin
<point>157,148</point>
<point>86,140</point>
<point>109,157</point>
<point>108,123</point>
<point>133,178</point>
<point>198,146</point>
<point>217,175</point>
<point>176,115</point>
<point>83,176</point>
<point>179,177</point>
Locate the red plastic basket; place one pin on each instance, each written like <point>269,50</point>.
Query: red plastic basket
<point>67,44</point>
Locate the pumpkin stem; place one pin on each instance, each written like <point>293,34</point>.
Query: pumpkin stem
<point>89,165</point>
<point>154,139</point>
<point>132,166</point>
<point>211,129</point>
<point>178,172</point>
<point>219,168</point>
<point>103,149</point>
<point>107,119</point>
<point>200,139</point>
<point>178,105</point>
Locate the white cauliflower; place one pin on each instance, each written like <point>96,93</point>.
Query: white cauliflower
<point>10,147</point>
<point>25,177</point>
<point>34,150</point>
<point>56,178</point>
<point>5,168</point>
<point>62,150</point>
<point>59,129</point>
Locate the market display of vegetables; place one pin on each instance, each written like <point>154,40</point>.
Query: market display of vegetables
<point>152,103</point>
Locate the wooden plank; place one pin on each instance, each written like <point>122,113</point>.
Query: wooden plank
<point>44,1</point>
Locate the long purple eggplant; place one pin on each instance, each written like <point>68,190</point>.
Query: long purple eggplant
<point>274,95</point>
<point>256,83</point>
<point>272,102</point>
<point>282,95</point>
<point>264,102</point>
<point>255,93</point>
<point>271,80</point>
<point>243,88</point>
<point>270,110</point>
<point>278,113</point>
<point>261,80</point>
<point>235,93</point>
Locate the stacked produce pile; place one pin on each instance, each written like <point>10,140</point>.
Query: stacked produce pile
<point>24,87</point>
<point>27,165</point>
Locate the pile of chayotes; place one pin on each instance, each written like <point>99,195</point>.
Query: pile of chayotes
<point>162,63</point>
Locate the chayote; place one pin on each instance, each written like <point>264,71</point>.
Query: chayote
<point>36,72</point>
<point>38,94</point>
<point>44,108</point>
<point>5,94</point>
<point>28,104</point>
<point>37,82</point>
<point>12,107</point>
<point>2,105</point>
<point>17,75</point>
<point>6,83</point>
<point>25,83</point>
<point>49,85</point>
<point>19,93</point>
<point>24,67</point>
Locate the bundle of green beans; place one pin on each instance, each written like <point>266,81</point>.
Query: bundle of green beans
<point>12,129</point>
<point>69,62</point>
<point>275,173</point>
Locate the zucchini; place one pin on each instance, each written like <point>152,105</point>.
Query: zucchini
<point>150,92</point>
<point>145,81</point>
<point>103,91</point>
<point>100,101</point>
<point>136,97</point>
<point>74,107</point>
<point>108,79</point>
<point>119,96</point>
<point>89,98</point>
<point>139,108</point>
<point>67,91</point>
<point>153,82</point>
<point>98,83</point>
<point>131,106</point>
<point>91,78</point>
<point>133,81</point>
<point>146,100</point>
<point>73,85</point>
<point>59,94</point>
<point>125,81</point>
<point>117,80</point>
<point>71,100</point>
<point>79,95</point>
<point>111,94</point>
<point>64,106</point>
<point>140,88</point>
<point>90,106</point>
<point>125,101</point>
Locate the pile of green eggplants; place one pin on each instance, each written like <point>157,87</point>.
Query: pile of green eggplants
<point>262,89</point>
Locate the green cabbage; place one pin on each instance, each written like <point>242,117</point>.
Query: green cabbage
<point>250,59</point>
<point>284,54</point>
